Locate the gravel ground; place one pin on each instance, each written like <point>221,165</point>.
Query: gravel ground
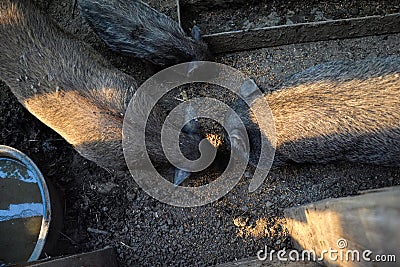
<point>256,14</point>
<point>146,232</point>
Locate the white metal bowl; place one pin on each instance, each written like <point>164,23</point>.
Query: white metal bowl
<point>25,210</point>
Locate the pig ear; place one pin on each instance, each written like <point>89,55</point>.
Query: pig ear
<point>196,33</point>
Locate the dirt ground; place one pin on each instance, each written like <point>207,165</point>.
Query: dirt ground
<point>108,209</point>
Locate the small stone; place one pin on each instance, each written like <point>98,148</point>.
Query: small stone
<point>354,11</point>
<point>105,188</point>
<point>268,204</point>
<point>247,25</point>
<point>131,197</point>
<point>289,21</point>
<point>319,16</point>
<point>240,222</point>
<point>273,19</point>
<point>290,13</point>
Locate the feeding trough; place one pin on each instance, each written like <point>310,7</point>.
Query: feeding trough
<point>25,210</point>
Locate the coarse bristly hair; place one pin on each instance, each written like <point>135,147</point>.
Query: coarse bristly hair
<point>134,28</point>
<point>69,86</point>
<point>342,110</point>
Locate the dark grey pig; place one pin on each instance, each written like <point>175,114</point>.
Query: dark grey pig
<point>134,28</point>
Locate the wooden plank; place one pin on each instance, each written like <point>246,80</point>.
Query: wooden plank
<point>303,32</point>
<point>99,258</point>
<point>350,226</point>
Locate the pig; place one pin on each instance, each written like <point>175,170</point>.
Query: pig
<point>69,86</point>
<point>135,29</point>
<point>335,111</point>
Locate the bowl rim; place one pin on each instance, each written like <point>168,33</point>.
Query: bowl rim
<point>12,153</point>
